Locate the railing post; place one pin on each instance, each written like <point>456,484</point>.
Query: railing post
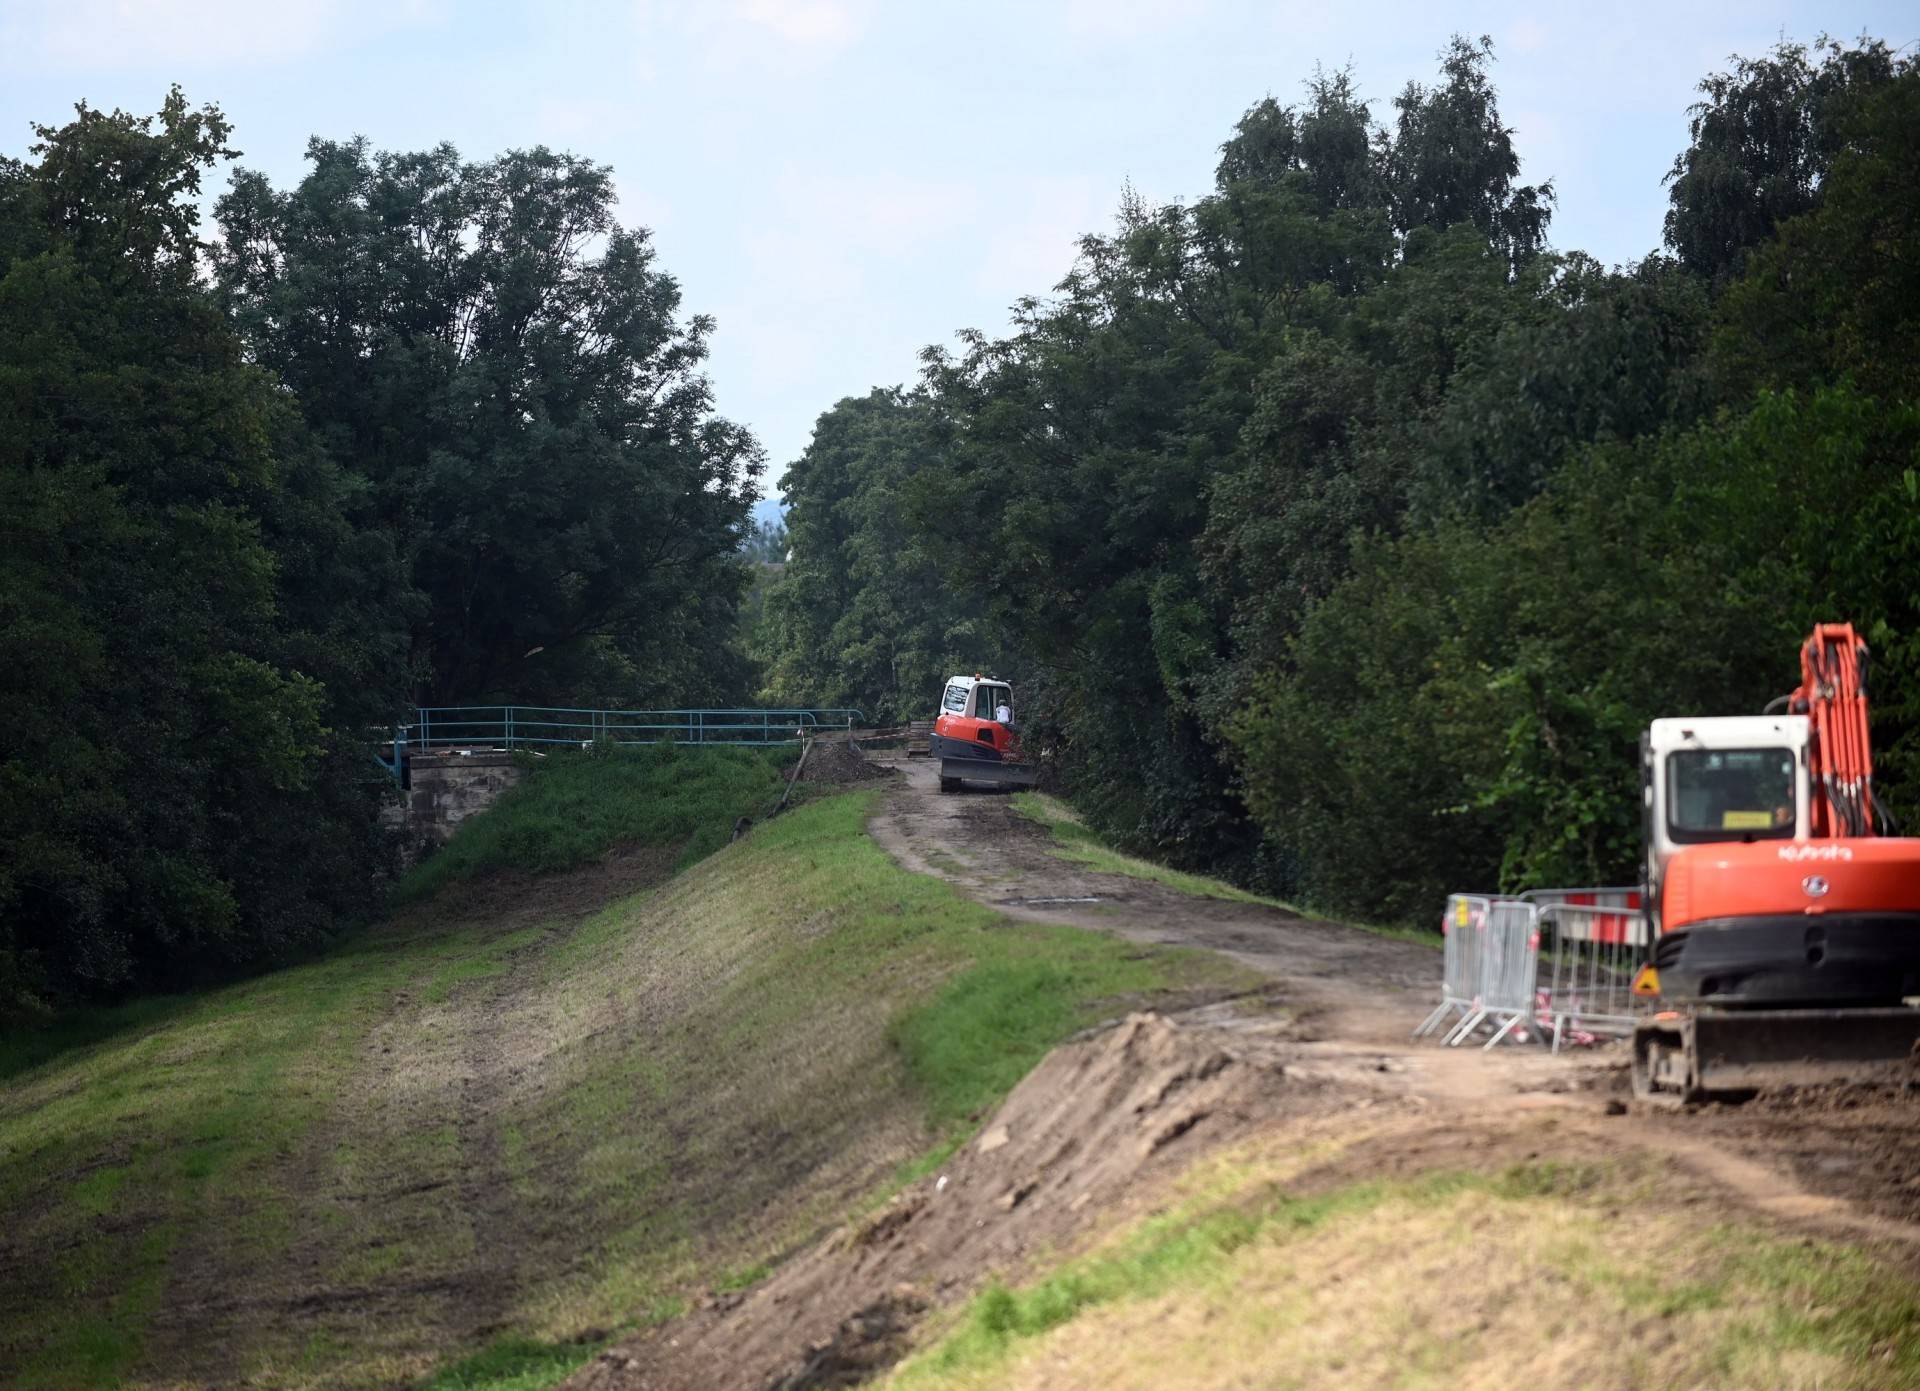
<point>426,727</point>
<point>509,722</point>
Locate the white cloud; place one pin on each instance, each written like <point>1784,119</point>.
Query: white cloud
<point>808,23</point>
<point>1527,35</point>
<point>95,34</point>
<point>766,34</point>
<point>1128,19</point>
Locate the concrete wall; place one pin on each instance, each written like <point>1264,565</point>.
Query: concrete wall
<point>445,788</point>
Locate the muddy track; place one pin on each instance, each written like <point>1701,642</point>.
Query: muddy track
<point>1844,1161</point>
<point>453,1062</point>
<point>1351,997</point>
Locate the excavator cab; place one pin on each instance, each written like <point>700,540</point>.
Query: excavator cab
<point>1734,779</point>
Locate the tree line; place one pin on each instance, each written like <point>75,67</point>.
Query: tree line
<point>1343,534</point>
<point>414,429</point>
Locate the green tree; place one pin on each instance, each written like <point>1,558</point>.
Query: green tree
<point>177,793</point>
<point>1466,707</point>
<point>1452,160</point>
<point>502,364</point>
<point>1836,295</point>
<point>862,616</point>
<point>1162,464</point>
<point>767,543</point>
<point>1761,141</point>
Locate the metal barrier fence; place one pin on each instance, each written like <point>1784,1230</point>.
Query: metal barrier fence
<point>534,726</point>
<point>1551,964</point>
<point>1589,956</point>
<point>1492,945</point>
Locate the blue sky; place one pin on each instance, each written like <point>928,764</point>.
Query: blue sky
<point>841,182</point>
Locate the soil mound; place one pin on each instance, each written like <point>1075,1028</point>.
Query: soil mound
<point>1088,1125</point>
<point>1893,1083</point>
<point>837,761</point>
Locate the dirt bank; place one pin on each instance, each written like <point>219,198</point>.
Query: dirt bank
<point>1088,1134</point>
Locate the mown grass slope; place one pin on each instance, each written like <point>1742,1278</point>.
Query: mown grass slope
<point>529,1112</point>
<point>1542,1272</point>
<point>577,805</point>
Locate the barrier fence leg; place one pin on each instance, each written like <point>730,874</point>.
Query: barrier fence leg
<point>1505,1029</point>
<point>1466,1027</point>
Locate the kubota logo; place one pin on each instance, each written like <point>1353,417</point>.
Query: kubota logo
<point>1795,853</point>
<point>1816,885</point>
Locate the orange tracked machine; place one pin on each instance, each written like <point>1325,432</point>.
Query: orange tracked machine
<point>975,738</point>
<point>1786,916</point>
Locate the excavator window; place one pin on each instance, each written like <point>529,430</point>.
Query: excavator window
<point>1730,794</point>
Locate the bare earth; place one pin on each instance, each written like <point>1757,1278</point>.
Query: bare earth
<point>1102,1127</point>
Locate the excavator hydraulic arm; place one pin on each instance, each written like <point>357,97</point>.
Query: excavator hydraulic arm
<point>1833,696</point>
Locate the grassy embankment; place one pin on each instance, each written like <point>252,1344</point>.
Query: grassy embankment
<point>531,1110</point>
<point>1075,841</point>
<point>1533,1273</point>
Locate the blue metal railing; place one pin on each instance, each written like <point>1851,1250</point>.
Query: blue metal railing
<point>535,726</point>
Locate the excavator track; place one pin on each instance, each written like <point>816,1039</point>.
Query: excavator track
<point>1683,1058</point>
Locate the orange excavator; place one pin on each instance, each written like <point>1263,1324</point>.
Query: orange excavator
<point>1785,913</point>
<point>974,736</point>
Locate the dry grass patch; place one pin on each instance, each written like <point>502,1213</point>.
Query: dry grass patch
<point>1538,1274</point>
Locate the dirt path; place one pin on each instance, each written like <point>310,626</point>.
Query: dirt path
<point>1350,998</point>
<point>1843,1160</point>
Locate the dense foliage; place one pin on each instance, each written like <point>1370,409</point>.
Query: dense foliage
<point>1348,535</point>
<point>408,438</point>
<point>863,616</point>
<point>189,628</point>
<point>499,361</point>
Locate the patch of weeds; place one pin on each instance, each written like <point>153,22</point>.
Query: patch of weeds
<point>987,1027</point>
<point>1194,1244</point>
<point>1550,1178</point>
<point>27,1048</point>
<point>919,1167</point>
<point>513,1364</point>
<point>745,1278</point>
<point>1160,1254</point>
<point>98,1193</point>
<point>1827,1299</point>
